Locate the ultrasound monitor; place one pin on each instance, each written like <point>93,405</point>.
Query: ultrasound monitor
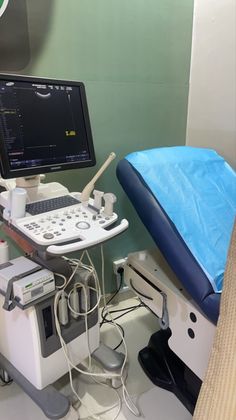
<point>44,126</point>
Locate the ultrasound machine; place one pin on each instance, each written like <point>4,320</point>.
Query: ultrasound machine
<point>45,128</point>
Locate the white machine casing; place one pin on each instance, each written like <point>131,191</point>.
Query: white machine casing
<point>147,271</point>
<point>20,344</point>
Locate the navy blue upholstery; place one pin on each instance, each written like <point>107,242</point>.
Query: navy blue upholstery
<point>168,240</point>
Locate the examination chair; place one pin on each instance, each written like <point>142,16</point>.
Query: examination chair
<point>186,198</point>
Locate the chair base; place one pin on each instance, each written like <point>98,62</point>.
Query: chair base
<point>168,371</point>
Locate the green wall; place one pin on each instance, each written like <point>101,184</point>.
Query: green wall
<point>134,58</point>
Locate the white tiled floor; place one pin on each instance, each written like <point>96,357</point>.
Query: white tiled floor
<point>153,403</point>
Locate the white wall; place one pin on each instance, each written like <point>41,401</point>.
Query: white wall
<point>212,97</point>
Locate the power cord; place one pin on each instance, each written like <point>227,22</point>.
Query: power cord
<point>127,399</point>
<point>103,316</point>
<point>112,376</point>
<point>126,310</point>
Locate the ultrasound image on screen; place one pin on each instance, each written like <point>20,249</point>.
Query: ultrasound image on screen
<point>42,124</point>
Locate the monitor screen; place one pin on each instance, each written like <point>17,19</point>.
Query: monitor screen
<point>44,126</point>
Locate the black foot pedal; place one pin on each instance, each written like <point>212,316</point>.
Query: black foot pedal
<point>168,371</point>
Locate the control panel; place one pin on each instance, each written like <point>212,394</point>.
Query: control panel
<point>70,228</point>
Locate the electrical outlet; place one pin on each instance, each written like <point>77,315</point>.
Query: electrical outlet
<point>118,264</point>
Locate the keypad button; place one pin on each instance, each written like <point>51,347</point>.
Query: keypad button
<point>48,235</point>
<point>82,225</point>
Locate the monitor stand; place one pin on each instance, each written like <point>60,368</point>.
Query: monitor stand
<point>36,190</point>
<point>29,181</point>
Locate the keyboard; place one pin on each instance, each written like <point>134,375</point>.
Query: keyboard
<point>39,207</point>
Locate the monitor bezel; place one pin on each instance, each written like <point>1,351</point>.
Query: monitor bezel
<point>5,169</point>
